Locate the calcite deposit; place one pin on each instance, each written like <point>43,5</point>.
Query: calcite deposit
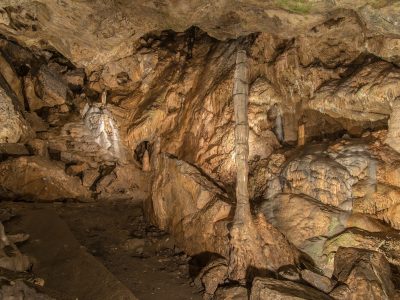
<point>262,137</point>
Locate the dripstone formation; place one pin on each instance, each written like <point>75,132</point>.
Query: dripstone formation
<point>262,136</point>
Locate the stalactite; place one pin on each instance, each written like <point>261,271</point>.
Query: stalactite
<point>146,161</point>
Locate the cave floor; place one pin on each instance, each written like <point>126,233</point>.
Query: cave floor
<point>140,256</point>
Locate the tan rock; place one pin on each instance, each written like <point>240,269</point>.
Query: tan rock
<point>301,218</point>
<point>89,177</point>
<point>213,275</point>
<point>268,288</point>
<point>13,150</point>
<point>393,137</point>
<point>10,76</point>
<point>388,244</point>
<point>186,201</point>
<point>34,102</point>
<point>366,273</point>
<point>125,182</point>
<point>50,88</point>
<point>37,123</point>
<point>39,179</point>
<point>14,127</point>
<point>231,293</point>
<point>39,147</point>
<point>318,281</point>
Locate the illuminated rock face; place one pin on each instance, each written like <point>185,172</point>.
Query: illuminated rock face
<point>324,161</point>
<point>103,129</point>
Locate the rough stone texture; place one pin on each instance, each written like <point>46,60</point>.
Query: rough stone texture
<point>366,273</point>
<point>388,244</point>
<point>212,275</point>
<point>268,288</point>
<point>19,290</point>
<point>318,281</point>
<point>14,128</point>
<point>104,28</point>
<point>231,293</point>
<point>50,88</point>
<point>183,201</point>
<point>38,179</point>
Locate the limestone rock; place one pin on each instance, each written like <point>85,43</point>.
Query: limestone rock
<point>117,23</point>
<point>37,123</point>
<point>19,290</point>
<point>366,273</point>
<point>212,275</point>
<point>125,182</point>
<point>50,88</point>
<point>388,244</point>
<point>13,150</point>
<point>39,147</point>
<point>268,288</point>
<point>38,179</point>
<point>318,281</point>
<point>231,293</point>
<point>14,127</point>
<point>320,177</point>
<point>185,201</point>
<point>75,78</point>
<point>301,218</point>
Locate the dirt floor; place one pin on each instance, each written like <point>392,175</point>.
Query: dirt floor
<point>139,255</point>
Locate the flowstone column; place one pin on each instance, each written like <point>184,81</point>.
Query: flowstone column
<point>245,247</point>
<point>393,136</point>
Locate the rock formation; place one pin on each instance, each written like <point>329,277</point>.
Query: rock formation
<point>264,139</point>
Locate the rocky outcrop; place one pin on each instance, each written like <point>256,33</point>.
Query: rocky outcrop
<point>268,288</point>
<point>112,25</point>
<point>38,179</point>
<point>183,201</point>
<point>367,274</point>
<point>14,127</point>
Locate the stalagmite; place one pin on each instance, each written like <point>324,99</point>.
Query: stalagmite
<point>146,161</point>
<point>301,135</point>
<point>245,247</point>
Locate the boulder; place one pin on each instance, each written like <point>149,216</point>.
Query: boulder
<point>387,244</point>
<point>366,273</point>
<point>13,150</point>
<point>301,218</point>
<point>318,281</point>
<point>36,178</point>
<point>268,288</point>
<point>14,127</point>
<point>231,293</point>
<point>50,88</point>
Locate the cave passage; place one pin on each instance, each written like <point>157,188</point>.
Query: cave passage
<point>207,150</point>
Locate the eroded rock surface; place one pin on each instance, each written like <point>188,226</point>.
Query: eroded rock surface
<point>37,178</point>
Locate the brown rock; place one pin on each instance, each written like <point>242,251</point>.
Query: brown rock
<point>39,179</point>
<point>268,288</point>
<point>75,78</point>
<point>14,127</point>
<point>89,177</point>
<point>366,273</point>
<point>39,147</point>
<point>37,123</point>
<point>50,88</point>
<point>213,275</point>
<point>231,293</point>
<point>13,150</point>
<point>318,281</point>
<point>186,201</point>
